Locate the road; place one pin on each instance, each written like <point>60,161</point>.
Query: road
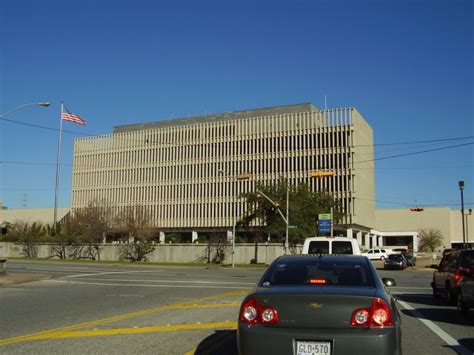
<point>102,308</point>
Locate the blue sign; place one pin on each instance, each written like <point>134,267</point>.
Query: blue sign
<point>324,226</point>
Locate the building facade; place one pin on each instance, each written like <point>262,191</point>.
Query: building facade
<point>185,171</point>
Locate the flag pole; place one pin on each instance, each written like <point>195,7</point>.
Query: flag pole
<point>58,167</point>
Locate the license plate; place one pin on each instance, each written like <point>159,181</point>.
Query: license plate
<point>313,348</point>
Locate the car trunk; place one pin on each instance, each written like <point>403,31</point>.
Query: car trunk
<point>328,307</point>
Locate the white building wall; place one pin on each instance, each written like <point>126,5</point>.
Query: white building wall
<point>185,170</point>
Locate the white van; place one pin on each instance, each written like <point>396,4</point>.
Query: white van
<point>328,245</point>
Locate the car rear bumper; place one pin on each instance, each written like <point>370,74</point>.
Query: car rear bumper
<point>393,266</point>
<point>257,339</point>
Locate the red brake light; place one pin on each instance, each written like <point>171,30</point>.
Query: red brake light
<point>316,281</point>
<point>253,312</point>
<point>378,315</point>
<point>458,275</point>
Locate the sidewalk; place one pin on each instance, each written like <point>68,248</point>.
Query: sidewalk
<point>10,278</point>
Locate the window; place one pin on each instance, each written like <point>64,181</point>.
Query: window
<point>334,273</point>
<point>318,247</point>
<point>468,259</point>
<point>342,247</point>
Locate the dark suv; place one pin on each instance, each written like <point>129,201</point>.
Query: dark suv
<point>454,279</point>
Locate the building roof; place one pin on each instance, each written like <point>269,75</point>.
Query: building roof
<point>259,112</point>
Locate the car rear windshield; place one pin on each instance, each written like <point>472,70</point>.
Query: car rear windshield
<point>318,247</point>
<point>468,259</point>
<point>320,271</point>
<point>342,247</point>
<point>395,257</point>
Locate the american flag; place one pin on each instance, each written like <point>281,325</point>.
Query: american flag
<point>69,116</point>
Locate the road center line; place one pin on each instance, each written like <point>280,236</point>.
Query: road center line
<point>174,281</point>
<point>113,272</point>
<point>448,339</point>
<point>38,335</point>
<point>141,285</point>
<point>140,330</point>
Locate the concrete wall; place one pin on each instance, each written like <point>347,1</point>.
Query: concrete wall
<point>363,172</point>
<point>172,253</point>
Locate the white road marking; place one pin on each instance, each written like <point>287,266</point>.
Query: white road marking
<point>448,339</point>
<point>174,281</point>
<point>113,272</point>
<point>61,269</point>
<point>140,285</point>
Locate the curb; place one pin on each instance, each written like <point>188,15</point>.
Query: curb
<point>10,278</point>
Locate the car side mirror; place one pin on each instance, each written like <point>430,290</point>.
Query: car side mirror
<point>434,266</point>
<point>388,282</point>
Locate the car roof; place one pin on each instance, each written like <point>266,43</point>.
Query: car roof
<point>326,257</point>
<point>345,239</point>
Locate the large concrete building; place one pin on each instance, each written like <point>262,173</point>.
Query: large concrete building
<point>185,171</point>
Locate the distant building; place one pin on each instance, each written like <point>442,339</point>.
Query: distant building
<point>444,219</point>
<point>185,170</point>
<point>31,215</point>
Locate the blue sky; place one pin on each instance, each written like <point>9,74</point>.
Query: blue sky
<point>407,66</point>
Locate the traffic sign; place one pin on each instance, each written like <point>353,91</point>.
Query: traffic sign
<point>324,216</point>
<point>292,226</point>
<point>324,226</point>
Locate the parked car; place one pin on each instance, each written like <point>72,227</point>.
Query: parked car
<point>377,254</point>
<point>453,279</point>
<point>395,261</point>
<point>410,258</point>
<point>327,245</point>
<point>320,304</point>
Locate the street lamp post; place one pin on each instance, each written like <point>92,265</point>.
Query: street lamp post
<point>240,177</point>
<point>277,206</point>
<point>461,188</point>
<point>467,227</point>
<point>44,104</point>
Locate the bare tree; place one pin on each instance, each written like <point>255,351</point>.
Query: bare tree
<point>28,235</point>
<point>89,226</point>
<point>135,223</point>
<point>430,239</point>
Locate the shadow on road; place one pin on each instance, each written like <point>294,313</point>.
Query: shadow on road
<point>222,342</point>
<point>467,343</point>
<point>439,313</point>
<point>420,298</point>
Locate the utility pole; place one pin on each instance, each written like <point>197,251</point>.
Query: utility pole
<point>461,188</point>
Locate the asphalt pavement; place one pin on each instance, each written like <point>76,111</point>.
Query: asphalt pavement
<point>98,308</point>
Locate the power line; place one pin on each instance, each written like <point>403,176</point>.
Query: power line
<point>140,141</point>
<point>416,142</point>
<point>414,153</point>
<point>30,163</point>
<point>419,204</point>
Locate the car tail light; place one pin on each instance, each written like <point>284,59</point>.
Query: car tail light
<point>317,281</point>
<point>378,315</point>
<point>253,312</point>
<point>459,274</point>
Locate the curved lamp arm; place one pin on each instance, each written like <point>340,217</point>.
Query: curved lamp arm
<point>44,104</point>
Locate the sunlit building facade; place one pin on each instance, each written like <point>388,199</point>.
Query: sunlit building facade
<point>185,171</point>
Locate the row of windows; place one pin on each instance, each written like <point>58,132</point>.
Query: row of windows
<point>235,126</point>
<point>201,192</point>
<point>222,150</point>
<point>191,214</point>
<point>211,170</point>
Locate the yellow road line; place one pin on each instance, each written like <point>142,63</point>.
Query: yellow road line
<point>141,330</point>
<point>34,336</point>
